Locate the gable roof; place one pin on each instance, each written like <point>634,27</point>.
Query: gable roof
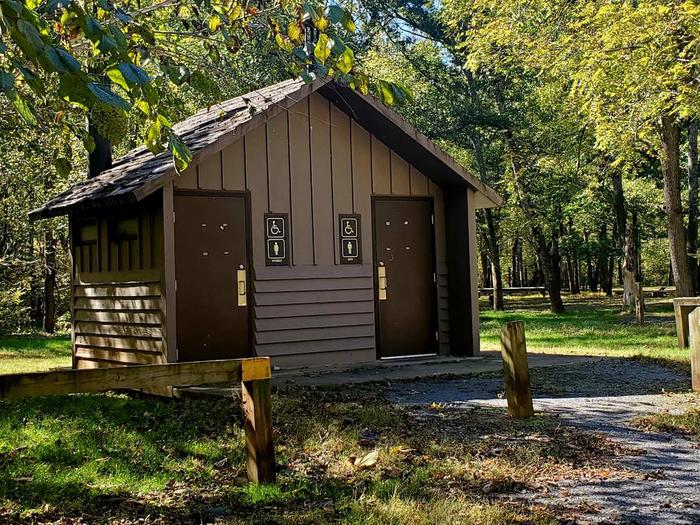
<point>139,173</point>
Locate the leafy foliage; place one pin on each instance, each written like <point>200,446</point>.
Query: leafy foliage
<point>69,56</point>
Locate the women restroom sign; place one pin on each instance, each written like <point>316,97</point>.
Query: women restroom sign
<point>350,245</point>
<point>276,239</point>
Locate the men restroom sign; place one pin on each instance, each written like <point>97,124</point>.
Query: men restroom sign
<point>350,240</point>
<point>276,239</point>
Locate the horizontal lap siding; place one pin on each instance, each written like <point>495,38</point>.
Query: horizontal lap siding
<point>315,310</point>
<point>119,323</point>
<point>119,309</point>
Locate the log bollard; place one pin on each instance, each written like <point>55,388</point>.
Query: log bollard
<point>694,337</point>
<point>515,370</point>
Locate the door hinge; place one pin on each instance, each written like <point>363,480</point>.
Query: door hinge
<point>434,278</point>
<point>432,218</point>
<point>175,285</point>
<point>437,336</point>
<point>173,217</point>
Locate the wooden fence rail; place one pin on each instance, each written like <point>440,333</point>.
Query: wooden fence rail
<point>253,373</point>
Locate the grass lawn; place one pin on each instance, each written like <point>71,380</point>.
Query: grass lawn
<point>593,324</point>
<point>345,456</point>
<point>33,353</point>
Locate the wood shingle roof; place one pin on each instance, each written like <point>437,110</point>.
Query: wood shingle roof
<point>139,173</point>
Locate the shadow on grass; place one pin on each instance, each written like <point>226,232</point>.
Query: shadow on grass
<point>73,451</point>
<point>110,457</point>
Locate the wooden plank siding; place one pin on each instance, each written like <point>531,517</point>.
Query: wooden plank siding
<point>313,162</point>
<point>118,294</point>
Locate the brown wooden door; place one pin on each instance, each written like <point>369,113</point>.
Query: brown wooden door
<point>210,249</point>
<point>404,248</point>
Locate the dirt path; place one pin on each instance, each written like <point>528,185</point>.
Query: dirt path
<point>601,396</point>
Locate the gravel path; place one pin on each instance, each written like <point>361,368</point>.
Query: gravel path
<point>601,396</point>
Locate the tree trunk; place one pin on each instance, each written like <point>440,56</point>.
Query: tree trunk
<point>572,262</point>
<point>670,166</point>
<point>49,315</point>
<point>693,170</point>
<point>495,256</point>
<point>601,265</point>
<point>625,240</point>
<point>589,263</point>
<point>485,269</point>
<point>551,271</point>
<point>100,158</point>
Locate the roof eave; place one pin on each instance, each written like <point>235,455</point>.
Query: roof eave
<point>390,128</point>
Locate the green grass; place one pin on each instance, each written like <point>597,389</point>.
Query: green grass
<point>592,325</point>
<point>33,353</point>
<point>687,423</point>
<point>117,458</point>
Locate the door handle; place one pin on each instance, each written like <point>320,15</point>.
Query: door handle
<point>241,291</point>
<point>382,282</point>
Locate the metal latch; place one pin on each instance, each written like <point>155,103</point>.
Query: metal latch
<point>242,293</point>
<point>381,282</point>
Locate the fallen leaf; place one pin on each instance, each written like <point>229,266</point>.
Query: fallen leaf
<point>368,460</point>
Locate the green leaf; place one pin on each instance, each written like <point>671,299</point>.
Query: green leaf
<point>134,74</point>
<point>3,48</point>
<point>116,76</point>
<point>108,97</point>
<point>23,108</point>
<point>68,60</point>
<point>74,90</point>
<point>30,78</point>
<point>153,138</point>
<point>92,28</point>
<point>181,153</point>
<point>214,24</point>
<point>7,82</point>
<point>346,61</point>
<point>323,48</point>
<point>310,10</point>
<point>32,35</point>
<point>341,16</point>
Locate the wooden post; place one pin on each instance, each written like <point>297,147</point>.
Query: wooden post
<point>515,370</point>
<point>639,302</point>
<point>257,410</point>
<point>694,333</point>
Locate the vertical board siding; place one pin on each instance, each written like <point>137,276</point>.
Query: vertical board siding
<point>381,167</point>
<point>256,175</point>
<point>210,173</point>
<point>341,170</point>
<point>419,183</point>
<point>187,180</point>
<point>300,181</point>
<point>321,186</point>
<point>315,162</point>
<point>400,177</point>
<point>233,160</point>
<point>362,184</point>
<point>278,163</point>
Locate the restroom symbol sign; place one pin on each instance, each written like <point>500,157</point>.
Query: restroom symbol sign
<point>275,227</point>
<point>276,250</point>
<point>349,238</point>
<point>348,227</point>
<point>350,249</point>
<point>276,239</point>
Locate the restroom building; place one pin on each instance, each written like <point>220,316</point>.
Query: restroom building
<point>314,225</point>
